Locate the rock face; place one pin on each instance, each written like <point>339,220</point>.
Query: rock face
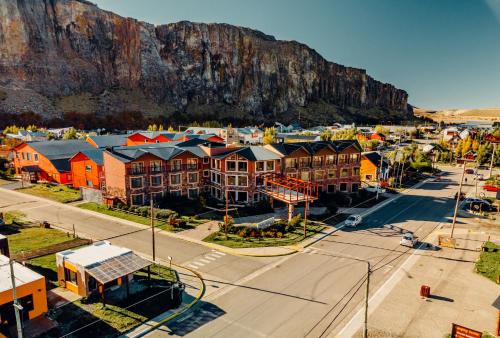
<point>66,48</point>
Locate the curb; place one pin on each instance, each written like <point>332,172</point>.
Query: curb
<point>176,314</point>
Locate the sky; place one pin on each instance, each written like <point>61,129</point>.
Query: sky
<point>444,53</point>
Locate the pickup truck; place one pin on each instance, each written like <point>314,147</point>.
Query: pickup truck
<point>408,239</point>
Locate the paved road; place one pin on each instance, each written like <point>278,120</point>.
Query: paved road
<point>308,294</point>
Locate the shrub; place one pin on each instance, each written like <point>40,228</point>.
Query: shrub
<point>163,213</point>
<point>143,211</point>
<point>295,221</point>
<point>243,233</point>
<point>279,234</point>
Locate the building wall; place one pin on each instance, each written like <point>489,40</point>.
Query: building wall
<point>137,140</point>
<point>36,289</point>
<point>368,169</point>
<point>47,170</point>
<point>83,177</point>
<point>114,178</point>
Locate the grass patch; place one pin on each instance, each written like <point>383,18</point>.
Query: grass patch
<point>161,224</point>
<point>489,262</point>
<point>30,238</point>
<point>235,241</point>
<point>58,193</point>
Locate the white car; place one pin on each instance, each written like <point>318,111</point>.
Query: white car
<point>408,239</point>
<point>375,188</point>
<point>353,221</point>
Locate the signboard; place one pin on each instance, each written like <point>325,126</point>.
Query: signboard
<point>458,331</point>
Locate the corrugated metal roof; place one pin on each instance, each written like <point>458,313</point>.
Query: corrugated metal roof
<point>95,155</point>
<point>103,141</point>
<point>60,149</point>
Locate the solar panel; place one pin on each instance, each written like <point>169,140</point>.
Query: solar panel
<point>117,267</point>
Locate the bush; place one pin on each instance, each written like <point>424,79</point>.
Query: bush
<point>295,221</point>
<point>163,213</point>
<point>143,211</point>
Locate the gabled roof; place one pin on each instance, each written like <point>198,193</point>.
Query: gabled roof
<point>374,158</point>
<point>95,155</point>
<point>164,151</point>
<point>313,147</point>
<point>103,141</point>
<point>60,149</point>
<point>251,153</point>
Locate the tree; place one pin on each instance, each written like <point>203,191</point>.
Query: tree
<point>171,129</point>
<point>11,129</point>
<point>32,128</point>
<point>70,134</point>
<point>153,127</point>
<point>380,129</point>
<point>466,146</point>
<point>326,135</point>
<point>269,135</point>
<point>345,134</point>
<point>160,127</point>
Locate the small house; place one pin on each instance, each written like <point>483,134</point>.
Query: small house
<point>97,267</point>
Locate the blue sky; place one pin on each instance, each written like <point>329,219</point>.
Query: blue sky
<point>445,53</point>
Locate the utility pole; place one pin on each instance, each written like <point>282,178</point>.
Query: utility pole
<point>17,306</point>
<point>152,227</point>
<point>226,218</point>
<point>493,158</point>
<point>458,200</point>
<point>379,183</point>
<point>367,294</point>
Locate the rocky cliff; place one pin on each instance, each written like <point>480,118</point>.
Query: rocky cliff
<point>70,56</point>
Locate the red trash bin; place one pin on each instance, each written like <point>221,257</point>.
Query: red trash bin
<point>425,291</point>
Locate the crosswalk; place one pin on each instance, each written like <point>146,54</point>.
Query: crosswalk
<point>205,259</point>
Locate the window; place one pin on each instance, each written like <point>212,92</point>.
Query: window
<point>17,155</point>
<point>355,171</point>
<point>354,158</point>
<point>291,163</point>
<point>332,174</point>
<point>343,158</point>
<point>215,164</point>
<point>155,166</point>
<point>344,173</point>
<point>317,161</point>
<point>231,180</point>
<point>136,182</point>
<point>23,155</point>
<point>242,196</point>
<point>259,166</point>
<point>242,181</point>
<point>343,187</point>
<point>215,178</point>
<point>304,175</point>
<point>270,165</point>
<point>137,168</point>
<point>192,163</point>
<point>35,157</point>
<point>88,168</point>
<point>176,165</point>
<point>90,184</point>
<point>354,187</point>
<point>28,156</point>
<point>331,188</point>
<point>193,193</point>
<point>70,276</point>
<point>230,165</point>
<point>206,173</point>
<point>368,177</point>
<point>256,197</point>
<point>175,179</point>
<point>331,159</point>
<point>242,166</point>
<point>193,178</point>
<point>175,192</point>
<point>156,181</point>
<point>157,197</point>
<point>305,162</point>
<point>318,175</point>
<point>137,199</point>
<point>206,160</point>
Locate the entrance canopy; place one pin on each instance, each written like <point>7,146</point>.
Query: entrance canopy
<point>289,190</point>
<point>116,267</point>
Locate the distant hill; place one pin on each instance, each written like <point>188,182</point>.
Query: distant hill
<point>69,56</point>
<point>459,115</point>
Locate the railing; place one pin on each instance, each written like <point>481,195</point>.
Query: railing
<point>163,169</point>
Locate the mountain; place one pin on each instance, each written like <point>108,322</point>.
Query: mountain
<point>71,57</point>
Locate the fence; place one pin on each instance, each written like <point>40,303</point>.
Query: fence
<point>91,195</point>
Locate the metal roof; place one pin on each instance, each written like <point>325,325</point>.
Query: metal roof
<point>252,153</point>
<point>103,141</point>
<point>22,274</point>
<point>60,149</point>
<point>116,267</point>
<point>94,155</point>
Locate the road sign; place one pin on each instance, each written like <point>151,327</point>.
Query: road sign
<point>458,331</point>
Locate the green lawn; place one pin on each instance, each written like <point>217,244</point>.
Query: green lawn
<point>58,193</point>
<point>163,225</point>
<point>28,238</point>
<point>489,262</point>
<point>235,241</point>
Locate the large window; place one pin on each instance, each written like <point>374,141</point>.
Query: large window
<point>175,192</point>
<point>88,168</point>
<point>231,180</point>
<point>155,166</point>
<point>176,165</point>
<point>192,163</point>
<point>354,158</point>
<point>344,173</point>
<point>260,166</point>
<point>343,187</point>
<point>192,177</point>
<point>215,178</point>
<point>291,162</point>
<point>354,187</point>
<point>28,156</point>
<point>230,165</point>
<point>193,193</point>
<point>206,173</point>
<point>317,161</point>
<point>157,197</point>
<point>137,168</point>
<point>137,199</point>
<point>35,157</point>
<point>242,166</point>
<point>156,181</point>
<point>305,175</point>
<point>355,171</point>
<point>343,158</point>
<point>331,159</point>
<point>70,276</point>
<point>318,175</point>
<point>332,174</point>
<point>175,179</point>
<point>269,165</point>
<point>242,181</point>
<point>136,182</point>
<point>305,162</point>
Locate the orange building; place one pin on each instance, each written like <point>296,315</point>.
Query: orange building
<point>370,166</point>
<point>87,169</point>
<point>47,161</point>
<point>30,291</point>
<point>152,137</point>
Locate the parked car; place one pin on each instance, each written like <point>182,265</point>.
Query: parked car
<point>408,239</point>
<point>470,171</point>
<point>375,188</point>
<point>353,221</point>
<point>477,205</point>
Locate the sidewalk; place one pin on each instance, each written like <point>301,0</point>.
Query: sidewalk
<point>458,294</point>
